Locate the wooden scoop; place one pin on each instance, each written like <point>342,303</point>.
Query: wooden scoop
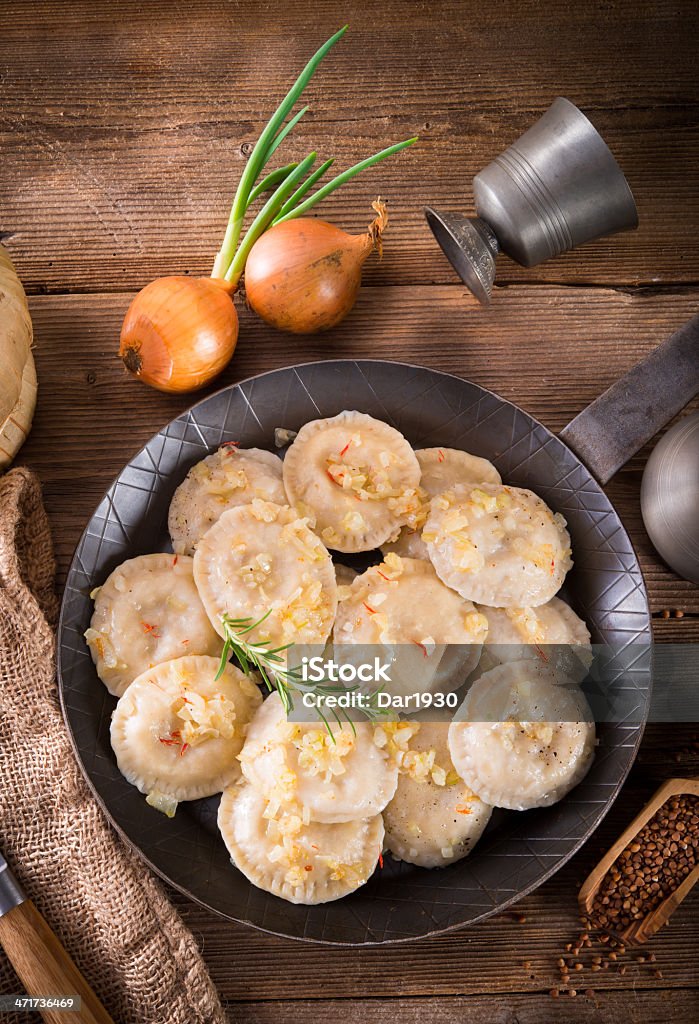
<point>640,931</point>
<point>42,964</point>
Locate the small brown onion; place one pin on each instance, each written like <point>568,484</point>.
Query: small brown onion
<point>179,332</point>
<point>303,275</point>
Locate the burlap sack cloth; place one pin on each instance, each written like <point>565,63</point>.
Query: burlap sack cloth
<point>105,906</point>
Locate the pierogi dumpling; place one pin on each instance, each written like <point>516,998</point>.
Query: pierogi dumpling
<point>551,633</point>
<point>148,611</point>
<point>357,476</point>
<point>344,574</point>
<point>226,478</point>
<point>496,545</point>
<point>441,468</point>
<point>522,738</point>
<point>178,730</point>
<point>408,544</point>
<point>335,779</point>
<point>300,861</point>
<point>262,558</point>
<point>431,636</point>
<point>434,819</point>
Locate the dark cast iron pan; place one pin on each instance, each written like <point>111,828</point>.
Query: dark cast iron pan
<point>520,850</point>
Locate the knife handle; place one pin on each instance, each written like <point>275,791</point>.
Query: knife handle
<point>45,968</point>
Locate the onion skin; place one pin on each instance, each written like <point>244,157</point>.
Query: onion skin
<point>179,332</point>
<point>303,275</point>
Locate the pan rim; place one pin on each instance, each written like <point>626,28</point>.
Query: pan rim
<point>576,844</point>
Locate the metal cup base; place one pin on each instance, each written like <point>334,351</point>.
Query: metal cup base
<point>555,188</point>
<point>471,248</point>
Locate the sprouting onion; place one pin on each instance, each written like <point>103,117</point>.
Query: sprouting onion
<point>230,261</point>
<point>341,179</point>
<point>262,151</point>
<point>305,187</point>
<point>180,332</point>
<point>303,274</point>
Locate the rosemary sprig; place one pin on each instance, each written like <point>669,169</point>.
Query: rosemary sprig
<point>260,656</point>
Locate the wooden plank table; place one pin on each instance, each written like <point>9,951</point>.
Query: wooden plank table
<point>123,130</point>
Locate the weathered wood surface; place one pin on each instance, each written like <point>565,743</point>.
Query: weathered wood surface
<point>124,124</point>
<point>610,1007</point>
<point>122,129</point>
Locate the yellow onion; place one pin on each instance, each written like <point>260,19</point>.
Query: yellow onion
<point>179,332</point>
<point>303,275</point>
